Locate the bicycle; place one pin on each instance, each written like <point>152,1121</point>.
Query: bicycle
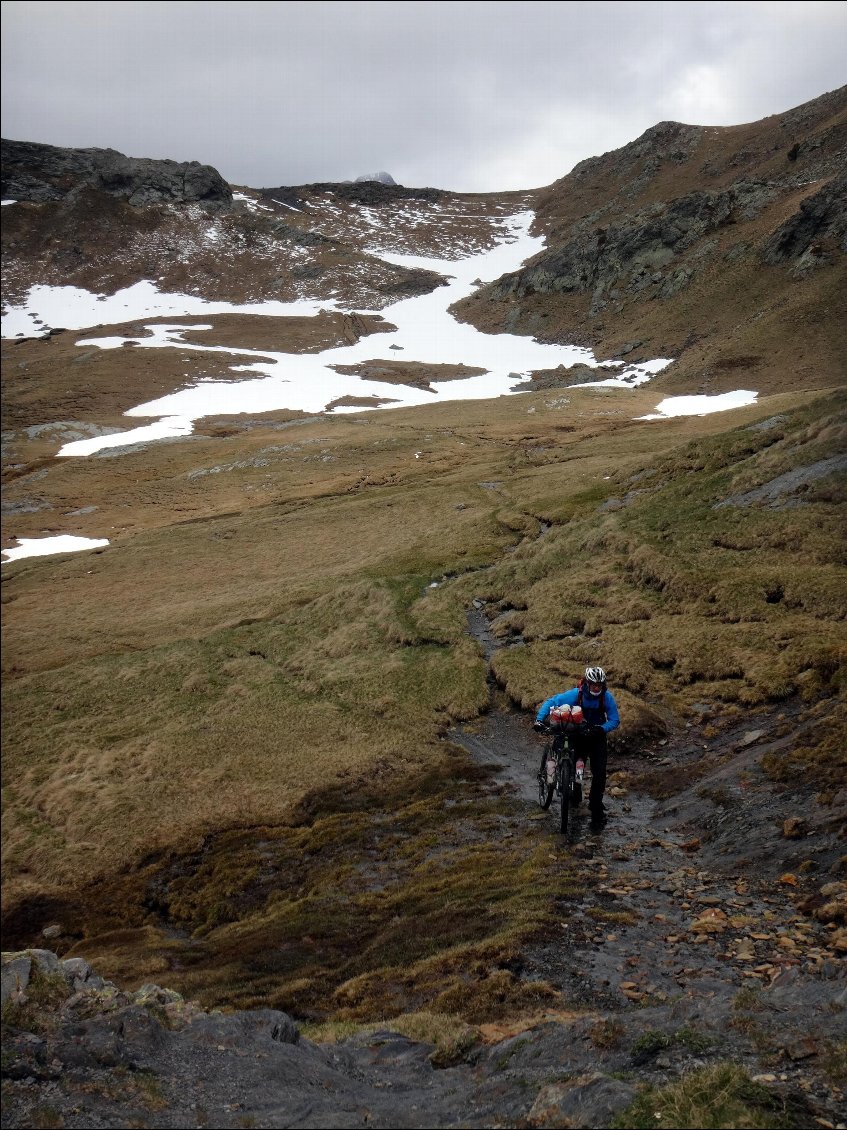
<point>563,773</point>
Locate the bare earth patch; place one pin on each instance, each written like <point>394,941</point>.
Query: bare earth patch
<point>414,373</point>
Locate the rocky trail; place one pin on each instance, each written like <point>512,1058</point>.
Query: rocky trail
<point>680,921</point>
<point>696,908</point>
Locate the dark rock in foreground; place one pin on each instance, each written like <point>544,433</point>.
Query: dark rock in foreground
<point>78,1047</point>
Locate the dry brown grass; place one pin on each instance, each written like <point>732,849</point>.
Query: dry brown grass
<point>151,707</point>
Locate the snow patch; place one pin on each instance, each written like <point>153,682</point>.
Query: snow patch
<point>42,547</point>
<point>701,405</point>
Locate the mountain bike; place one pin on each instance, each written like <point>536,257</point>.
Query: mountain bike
<point>563,774</point>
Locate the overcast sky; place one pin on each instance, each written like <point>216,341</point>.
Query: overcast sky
<point>470,96</point>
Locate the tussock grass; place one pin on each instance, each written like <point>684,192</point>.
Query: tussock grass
<point>680,600</point>
<point>820,752</point>
<point>359,915</point>
<point>271,665</point>
<point>452,1038</point>
<point>713,1098</point>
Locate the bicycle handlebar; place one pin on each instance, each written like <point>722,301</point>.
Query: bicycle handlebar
<point>566,727</point>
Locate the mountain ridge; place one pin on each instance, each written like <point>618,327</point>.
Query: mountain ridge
<point>666,239</point>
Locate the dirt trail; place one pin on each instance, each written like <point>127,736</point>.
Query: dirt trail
<point>689,908</point>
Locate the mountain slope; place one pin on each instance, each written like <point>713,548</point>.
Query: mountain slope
<point>723,247</point>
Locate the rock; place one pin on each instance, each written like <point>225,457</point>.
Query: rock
<point>17,969</point>
<point>52,932</point>
<point>42,173</point>
<point>749,738</point>
<point>587,1100</point>
<point>794,828</point>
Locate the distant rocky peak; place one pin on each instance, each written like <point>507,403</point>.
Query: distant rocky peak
<point>382,177</point>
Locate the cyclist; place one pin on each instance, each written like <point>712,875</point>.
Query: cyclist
<point>601,717</point>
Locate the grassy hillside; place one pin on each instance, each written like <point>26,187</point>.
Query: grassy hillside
<point>221,729</point>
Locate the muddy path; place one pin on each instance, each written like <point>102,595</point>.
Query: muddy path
<point>695,907</point>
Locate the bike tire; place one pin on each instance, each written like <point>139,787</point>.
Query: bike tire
<point>545,791</point>
<point>567,770</point>
<point>545,788</point>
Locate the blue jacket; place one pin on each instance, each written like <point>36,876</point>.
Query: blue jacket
<point>591,708</point>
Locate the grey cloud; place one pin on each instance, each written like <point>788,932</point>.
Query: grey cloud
<point>453,94</point>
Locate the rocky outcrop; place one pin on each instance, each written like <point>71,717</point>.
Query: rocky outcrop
<point>40,173</point>
<point>94,1055</point>
<point>689,215</point>
<point>819,224</point>
<point>644,250</point>
<point>370,192</point>
<point>638,162</point>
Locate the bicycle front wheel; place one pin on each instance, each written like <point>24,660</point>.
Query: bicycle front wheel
<point>545,791</point>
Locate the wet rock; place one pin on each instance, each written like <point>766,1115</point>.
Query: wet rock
<point>783,490</point>
<point>588,1100</point>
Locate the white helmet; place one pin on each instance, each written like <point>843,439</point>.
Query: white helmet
<point>595,675</point>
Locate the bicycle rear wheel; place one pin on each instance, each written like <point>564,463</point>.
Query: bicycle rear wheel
<point>567,771</point>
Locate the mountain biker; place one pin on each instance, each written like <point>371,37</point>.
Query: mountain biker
<point>601,717</point>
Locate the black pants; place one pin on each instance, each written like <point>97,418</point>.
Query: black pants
<point>593,748</point>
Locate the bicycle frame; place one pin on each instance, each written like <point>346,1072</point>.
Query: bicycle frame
<point>566,779</point>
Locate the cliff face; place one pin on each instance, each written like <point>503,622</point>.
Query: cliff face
<point>39,173</point>
<point>686,234</point>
